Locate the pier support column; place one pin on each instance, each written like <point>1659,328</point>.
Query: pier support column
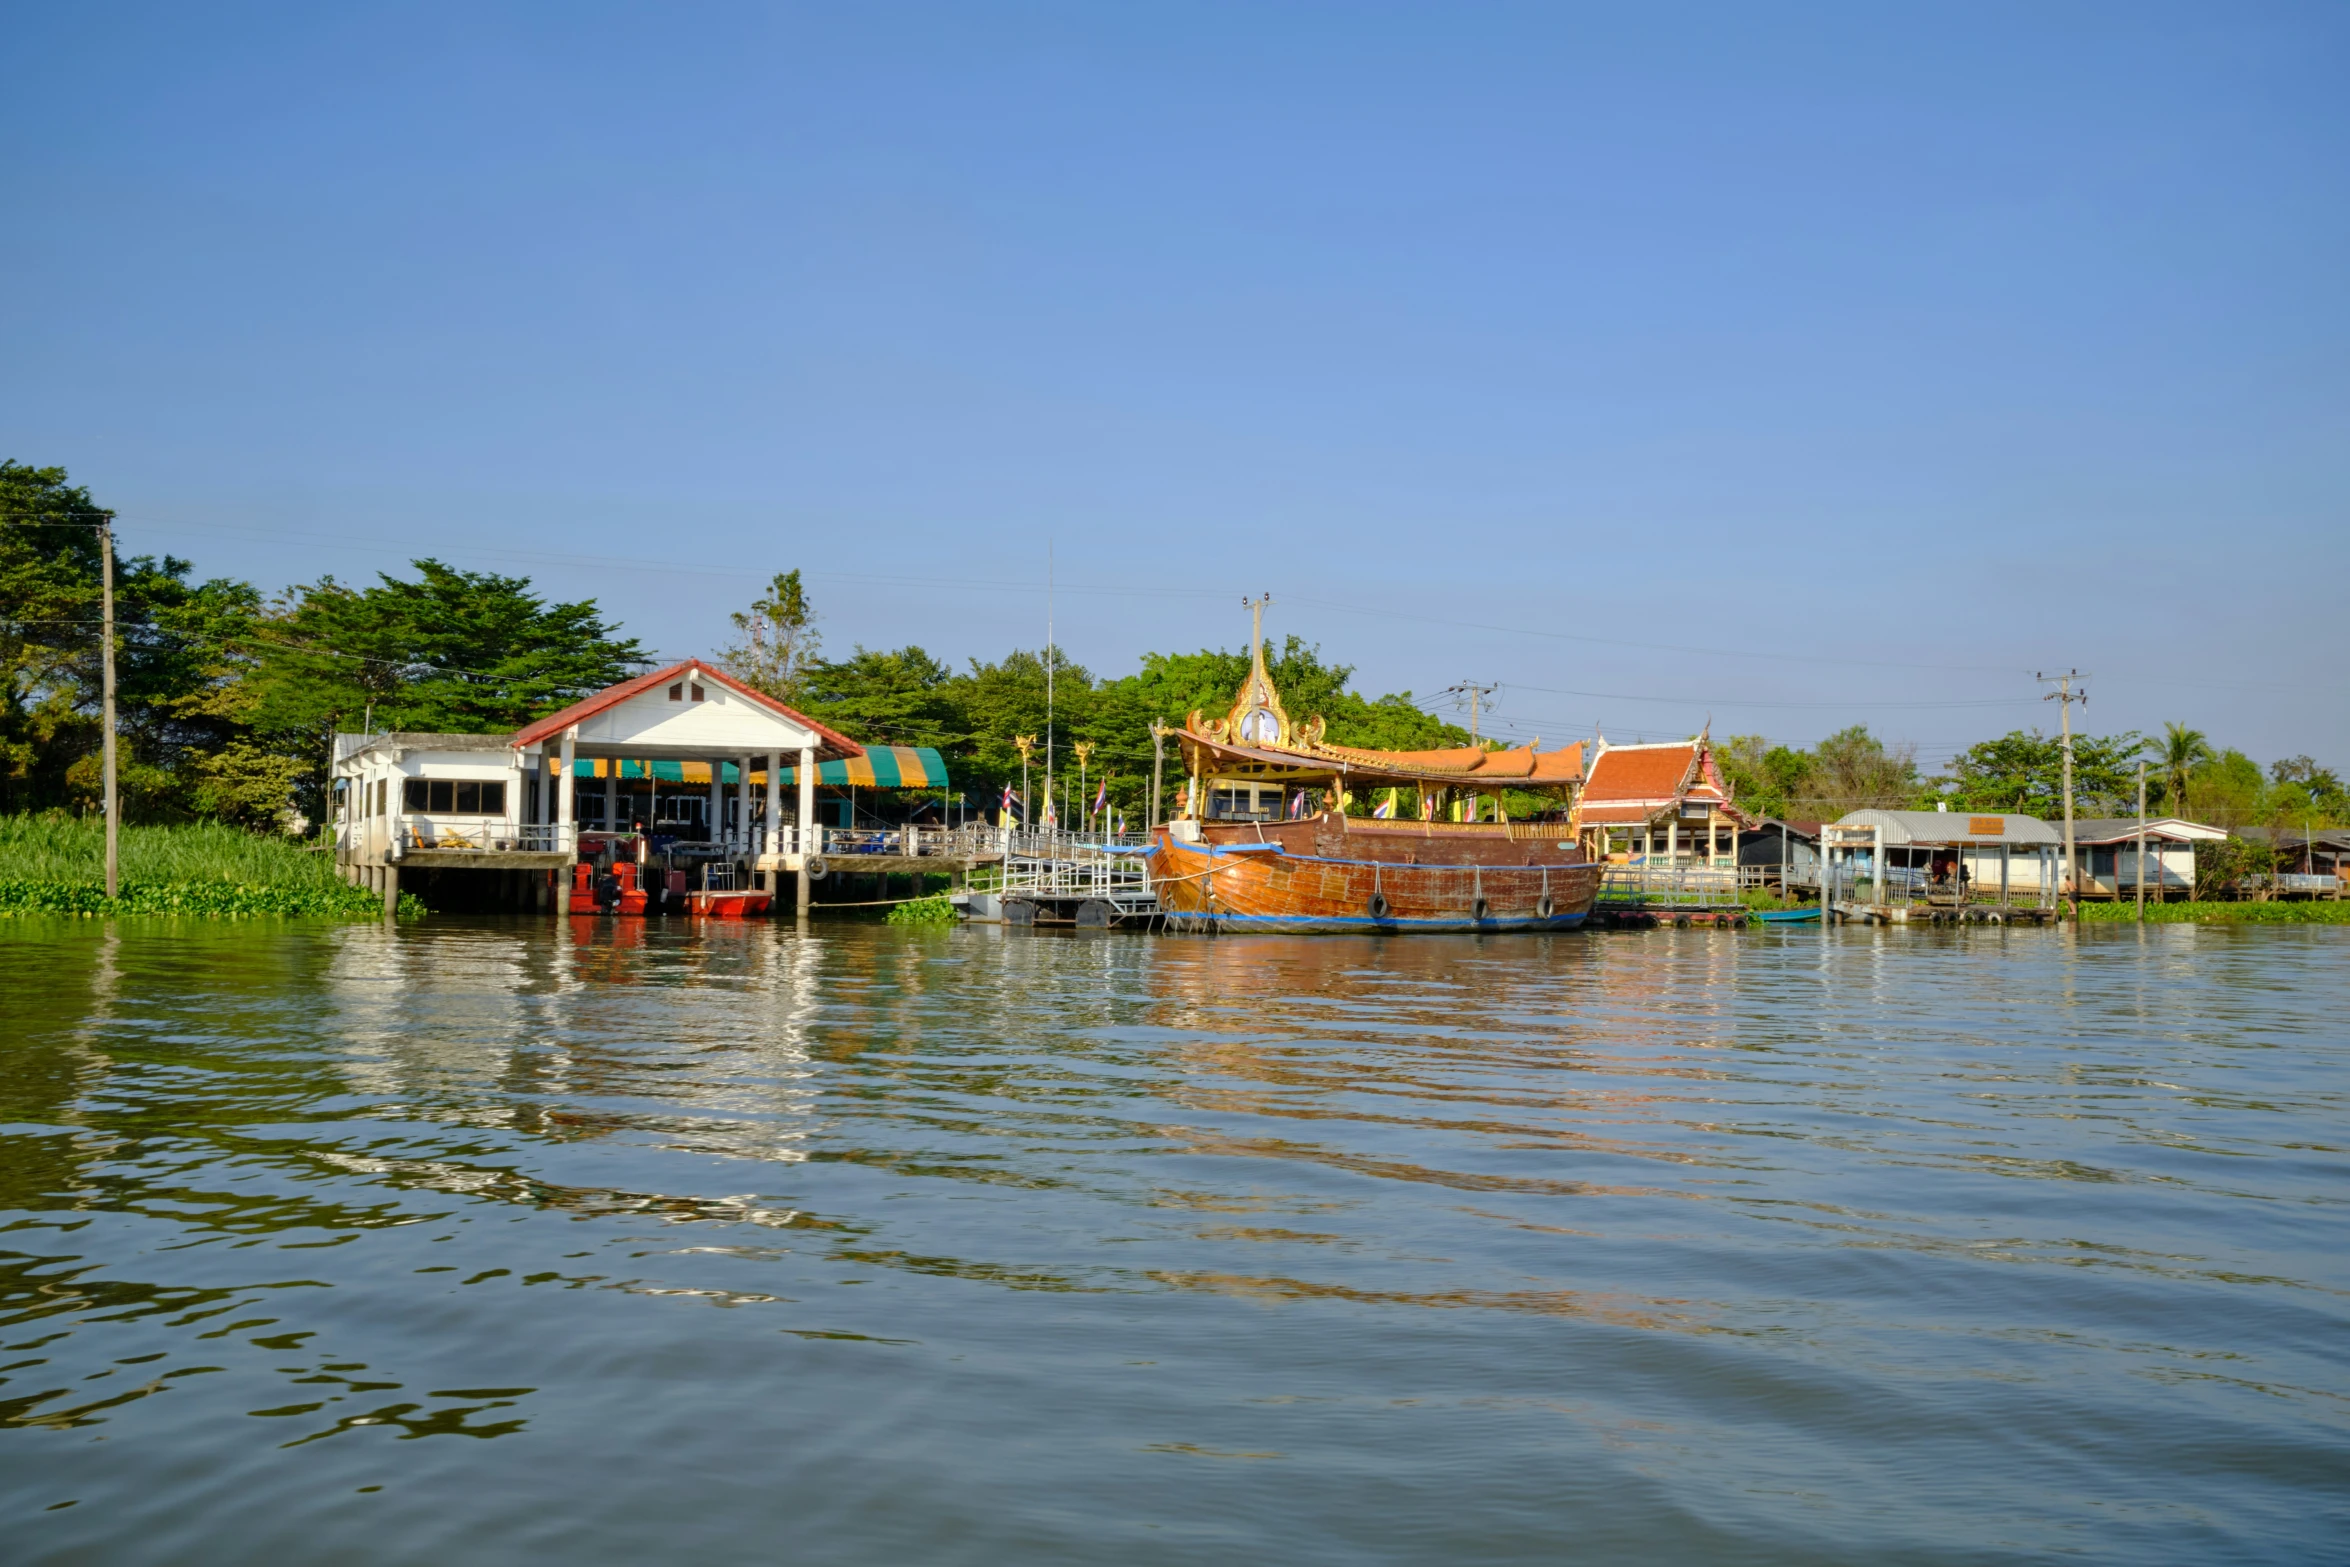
<point>391,885</point>
<point>774,804</point>
<point>809,838</point>
<point>567,795</point>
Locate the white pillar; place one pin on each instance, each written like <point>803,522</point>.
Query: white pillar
<point>717,801</point>
<point>808,835</point>
<point>774,803</point>
<point>567,788</point>
<point>611,766</point>
<point>742,794</point>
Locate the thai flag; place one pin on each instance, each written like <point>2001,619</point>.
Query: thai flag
<point>1101,797</point>
<point>1007,800</point>
<point>1386,806</point>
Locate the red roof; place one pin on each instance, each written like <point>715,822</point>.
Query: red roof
<point>1639,772</point>
<point>836,747</point>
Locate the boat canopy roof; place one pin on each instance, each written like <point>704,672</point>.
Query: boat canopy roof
<point>1522,768</point>
<point>1257,737</point>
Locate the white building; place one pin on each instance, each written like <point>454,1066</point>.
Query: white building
<point>509,803</point>
<point>2107,848</point>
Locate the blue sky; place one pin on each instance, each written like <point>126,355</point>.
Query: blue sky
<point>1787,368</point>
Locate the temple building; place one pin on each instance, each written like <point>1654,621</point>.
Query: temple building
<point>1666,802</point>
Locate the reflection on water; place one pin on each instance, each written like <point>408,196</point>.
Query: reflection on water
<point>883,1245</point>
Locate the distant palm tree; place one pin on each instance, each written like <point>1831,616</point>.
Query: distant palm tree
<point>2182,748</point>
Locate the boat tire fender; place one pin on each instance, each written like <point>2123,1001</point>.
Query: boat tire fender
<point>817,869</point>
<point>1544,909</point>
<point>1481,911</point>
<point>1377,907</point>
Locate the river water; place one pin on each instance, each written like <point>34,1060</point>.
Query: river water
<point>498,1240</point>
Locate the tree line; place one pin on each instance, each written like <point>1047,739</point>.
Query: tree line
<point>228,698</point>
<point>2023,772</point>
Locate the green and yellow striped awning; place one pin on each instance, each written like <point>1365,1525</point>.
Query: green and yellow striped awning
<point>881,767</point>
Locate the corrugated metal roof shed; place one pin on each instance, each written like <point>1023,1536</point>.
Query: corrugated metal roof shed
<point>1940,829</point>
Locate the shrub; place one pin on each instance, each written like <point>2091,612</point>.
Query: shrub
<point>933,910</point>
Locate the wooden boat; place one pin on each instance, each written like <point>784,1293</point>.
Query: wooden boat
<point>1270,835</point>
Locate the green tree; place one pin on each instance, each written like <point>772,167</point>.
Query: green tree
<point>901,698</point>
<point>776,642</point>
<point>2303,791</point>
<point>2023,772</point>
<point>1853,770</point>
<point>452,651</point>
<point>168,635</point>
<point>1765,778</point>
<point>2230,790</point>
<point>2180,751</point>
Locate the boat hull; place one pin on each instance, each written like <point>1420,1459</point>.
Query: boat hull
<point>1269,885</point>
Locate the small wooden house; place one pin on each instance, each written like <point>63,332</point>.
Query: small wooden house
<point>2106,855</point>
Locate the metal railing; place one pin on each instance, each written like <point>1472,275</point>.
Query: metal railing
<point>1120,879</point>
<point>1668,886</point>
<point>974,841</point>
<point>483,837</point>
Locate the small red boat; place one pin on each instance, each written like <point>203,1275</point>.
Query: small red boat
<point>583,889</point>
<point>729,905</point>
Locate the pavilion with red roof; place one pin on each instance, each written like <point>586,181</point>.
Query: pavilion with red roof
<point>1666,801</point>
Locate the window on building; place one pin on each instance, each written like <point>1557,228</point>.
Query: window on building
<point>697,693</point>
<point>1243,802</point>
<point>677,692</point>
<point>454,797</point>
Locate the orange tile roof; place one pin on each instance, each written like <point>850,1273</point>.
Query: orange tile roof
<point>1639,772</point>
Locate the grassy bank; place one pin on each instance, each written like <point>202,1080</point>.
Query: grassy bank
<point>2219,913</point>
<point>54,865</point>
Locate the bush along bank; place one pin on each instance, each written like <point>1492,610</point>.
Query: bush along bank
<point>933,910</point>
<point>54,864</point>
<point>2329,913</point>
<point>22,897</point>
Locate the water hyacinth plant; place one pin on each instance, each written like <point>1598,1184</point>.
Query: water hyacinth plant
<point>56,865</point>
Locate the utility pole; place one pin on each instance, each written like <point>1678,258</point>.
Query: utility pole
<point>2141,840</point>
<point>1158,764</point>
<point>1476,694</point>
<point>1049,661</point>
<point>113,796</point>
<point>2065,696</point>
